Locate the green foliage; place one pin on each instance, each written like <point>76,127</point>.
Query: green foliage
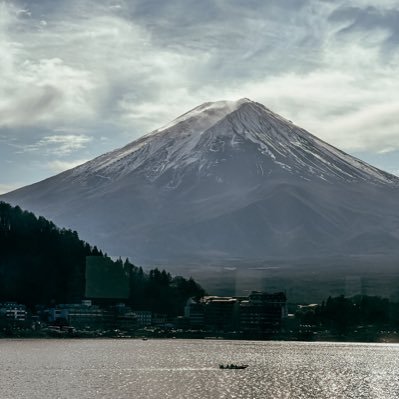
<point>159,292</point>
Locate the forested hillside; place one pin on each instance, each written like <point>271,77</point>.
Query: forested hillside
<point>41,263</point>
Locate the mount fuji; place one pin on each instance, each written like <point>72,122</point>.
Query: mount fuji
<point>226,180</point>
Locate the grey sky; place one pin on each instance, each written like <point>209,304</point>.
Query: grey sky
<point>79,78</point>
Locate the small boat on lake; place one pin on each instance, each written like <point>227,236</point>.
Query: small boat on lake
<point>233,366</point>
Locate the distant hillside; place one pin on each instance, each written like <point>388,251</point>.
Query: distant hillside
<point>41,263</point>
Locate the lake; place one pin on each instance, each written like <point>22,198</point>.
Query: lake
<point>189,369</point>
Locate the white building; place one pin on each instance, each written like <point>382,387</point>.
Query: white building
<point>13,311</point>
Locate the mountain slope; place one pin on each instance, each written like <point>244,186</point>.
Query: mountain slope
<point>225,180</point>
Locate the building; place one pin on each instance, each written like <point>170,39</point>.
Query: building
<point>194,312</point>
<point>221,313</point>
<point>262,313</point>
<point>125,319</point>
<point>213,313</point>
<point>13,311</point>
<point>144,317</point>
<point>83,315</point>
<point>159,319</point>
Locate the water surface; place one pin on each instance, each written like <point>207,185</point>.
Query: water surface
<point>189,369</point>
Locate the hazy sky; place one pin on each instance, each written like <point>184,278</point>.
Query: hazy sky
<point>79,78</point>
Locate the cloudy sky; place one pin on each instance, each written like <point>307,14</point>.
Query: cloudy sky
<point>79,78</point>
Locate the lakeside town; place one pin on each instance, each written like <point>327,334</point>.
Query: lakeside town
<point>260,315</point>
<point>55,285</point>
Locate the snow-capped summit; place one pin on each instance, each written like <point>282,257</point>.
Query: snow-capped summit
<point>208,113</point>
<point>228,128</point>
<point>228,179</point>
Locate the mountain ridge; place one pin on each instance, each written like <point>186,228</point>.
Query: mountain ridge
<point>226,179</point>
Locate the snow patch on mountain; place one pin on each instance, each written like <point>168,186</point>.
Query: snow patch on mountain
<point>168,144</point>
<point>226,127</point>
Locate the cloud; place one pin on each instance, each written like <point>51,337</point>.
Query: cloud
<point>347,111</point>
<point>5,188</point>
<point>58,144</point>
<point>74,71</point>
<point>364,23</point>
<point>374,126</point>
<point>92,63</point>
<point>59,165</point>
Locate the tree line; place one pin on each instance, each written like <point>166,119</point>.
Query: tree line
<point>343,315</point>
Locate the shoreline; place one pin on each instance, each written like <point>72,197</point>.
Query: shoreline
<point>380,340</point>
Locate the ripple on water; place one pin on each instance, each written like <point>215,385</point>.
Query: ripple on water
<point>189,369</point>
